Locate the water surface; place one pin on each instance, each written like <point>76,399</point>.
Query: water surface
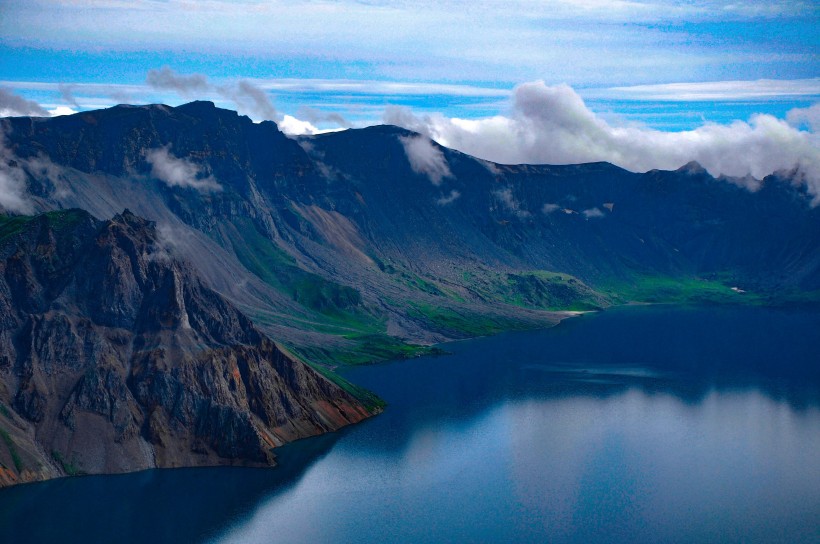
<point>638,425</point>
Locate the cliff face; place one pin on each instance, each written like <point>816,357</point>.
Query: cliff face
<point>119,350</point>
<point>115,357</point>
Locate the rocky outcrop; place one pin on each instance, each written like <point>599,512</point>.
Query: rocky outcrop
<point>114,357</point>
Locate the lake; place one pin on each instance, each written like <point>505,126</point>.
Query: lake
<point>640,424</point>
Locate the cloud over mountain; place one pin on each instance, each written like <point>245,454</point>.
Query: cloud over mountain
<point>12,105</point>
<point>176,172</point>
<point>247,97</point>
<point>425,158</point>
<point>553,125</point>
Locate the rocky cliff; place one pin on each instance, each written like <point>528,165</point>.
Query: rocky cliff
<point>114,357</point>
<point>124,344</point>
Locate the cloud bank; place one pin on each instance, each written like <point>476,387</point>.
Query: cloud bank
<point>176,172</point>
<point>553,125</point>
<point>425,158</point>
<point>12,105</point>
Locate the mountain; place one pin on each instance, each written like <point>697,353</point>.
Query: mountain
<point>114,357</point>
<point>125,343</point>
<point>381,234</point>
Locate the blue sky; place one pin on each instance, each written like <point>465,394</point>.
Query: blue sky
<point>654,65</point>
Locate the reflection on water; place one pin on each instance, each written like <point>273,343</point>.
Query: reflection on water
<point>641,424</point>
<point>180,505</point>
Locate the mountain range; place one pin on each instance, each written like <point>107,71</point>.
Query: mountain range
<point>178,283</point>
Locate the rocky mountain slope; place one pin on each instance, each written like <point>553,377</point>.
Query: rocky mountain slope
<point>114,357</point>
<point>358,245</point>
<point>124,342</point>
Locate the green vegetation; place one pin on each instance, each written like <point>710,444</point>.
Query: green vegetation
<point>279,270</point>
<point>663,289</point>
<point>364,349</point>
<point>4,410</point>
<point>416,282</point>
<point>449,320</point>
<point>12,225</point>
<point>371,401</point>
<point>68,467</point>
<point>15,457</point>
<point>551,291</point>
<point>534,289</point>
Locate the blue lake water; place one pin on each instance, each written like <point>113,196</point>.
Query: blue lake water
<point>642,424</point>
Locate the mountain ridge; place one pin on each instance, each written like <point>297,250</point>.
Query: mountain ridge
<point>115,357</point>
<point>173,333</point>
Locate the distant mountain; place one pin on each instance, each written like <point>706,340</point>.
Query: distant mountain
<point>347,247</point>
<point>356,238</point>
<point>115,357</point>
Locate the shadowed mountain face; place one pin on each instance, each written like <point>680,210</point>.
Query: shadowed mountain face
<point>595,221</point>
<point>124,343</point>
<point>345,245</point>
<point>114,356</point>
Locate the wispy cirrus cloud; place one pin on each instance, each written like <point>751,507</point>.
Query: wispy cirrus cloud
<point>644,41</point>
<point>186,85</point>
<point>762,89</point>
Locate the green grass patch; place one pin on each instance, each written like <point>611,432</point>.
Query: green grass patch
<point>279,270</point>
<point>59,220</point>
<point>449,320</point>
<point>69,467</point>
<point>365,349</point>
<point>544,290</point>
<point>694,290</point>
<point>416,282</point>
<point>12,225</point>
<point>15,457</point>
<point>371,401</point>
<point>534,289</point>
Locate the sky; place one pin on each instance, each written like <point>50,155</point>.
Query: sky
<point>641,83</point>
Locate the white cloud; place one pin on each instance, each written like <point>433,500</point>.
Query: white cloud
<point>12,105</point>
<point>295,127</point>
<point>423,41</point>
<point>176,172</point>
<point>425,158</point>
<point>549,207</point>
<point>505,196</point>
<point>188,86</point>
<point>61,110</point>
<point>13,196</point>
<point>592,213</point>
<point>13,191</point>
<point>552,125</point>
<point>449,199</point>
<point>809,117</point>
<point>760,89</point>
<point>247,97</point>
<point>371,87</point>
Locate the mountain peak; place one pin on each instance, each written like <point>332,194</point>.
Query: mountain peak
<point>692,167</point>
<point>200,105</point>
